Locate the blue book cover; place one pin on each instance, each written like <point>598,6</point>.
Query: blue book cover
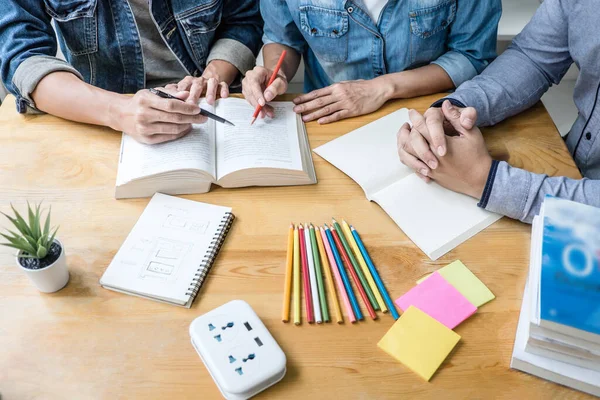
<point>570,277</point>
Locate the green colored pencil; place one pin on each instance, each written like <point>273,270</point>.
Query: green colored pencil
<point>355,265</point>
<point>319,273</point>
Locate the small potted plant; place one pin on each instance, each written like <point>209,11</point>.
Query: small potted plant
<point>40,255</point>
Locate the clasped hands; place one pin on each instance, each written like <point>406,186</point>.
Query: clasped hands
<point>446,147</point>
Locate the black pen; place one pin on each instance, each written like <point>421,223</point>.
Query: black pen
<point>208,114</point>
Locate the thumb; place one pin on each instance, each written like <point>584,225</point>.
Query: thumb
<point>453,115</point>
<point>279,86</point>
<point>182,94</point>
<point>468,117</point>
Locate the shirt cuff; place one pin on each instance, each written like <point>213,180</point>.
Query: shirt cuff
<point>506,191</point>
<point>457,66</point>
<point>30,72</point>
<point>454,102</point>
<point>234,53</point>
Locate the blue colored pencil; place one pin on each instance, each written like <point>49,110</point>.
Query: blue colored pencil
<point>347,285</point>
<point>378,281</point>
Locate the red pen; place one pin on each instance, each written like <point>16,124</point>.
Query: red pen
<point>273,77</point>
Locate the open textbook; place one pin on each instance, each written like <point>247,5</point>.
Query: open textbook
<point>272,152</point>
<point>435,219</point>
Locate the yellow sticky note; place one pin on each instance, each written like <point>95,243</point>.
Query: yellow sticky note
<point>461,277</point>
<point>419,342</point>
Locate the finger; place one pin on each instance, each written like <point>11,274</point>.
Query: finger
<point>313,95</point>
<point>163,138</point>
<point>171,88</point>
<point>185,83</point>
<point>172,106</point>
<point>279,86</point>
<point>196,90</point>
<point>319,102</point>
<point>421,149</point>
<point>165,128</point>
<point>434,119</point>
<point>336,116</point>
<point>452,115</point>
<point>413,163</point>
<point>322,112</point>
<point>224,90</point>
<point>176,118</point>
<point>468,118</point>
<point>255,93</point>
<point>269,111</point>
<point>425,178</point>
<point>211,91</point>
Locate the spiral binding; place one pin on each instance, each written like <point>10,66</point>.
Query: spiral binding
<point>213,250</point>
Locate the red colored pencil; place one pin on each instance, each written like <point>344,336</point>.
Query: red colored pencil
<point>346,260</point>
<point>305,278</point>
<point>273,77</point>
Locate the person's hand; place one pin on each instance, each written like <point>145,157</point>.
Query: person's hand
<point>342,100</point>
<point>151,119</point>
<point>209,84</point>
<point>256,92</point>
<point>435,127</point>
<point>465,166</point>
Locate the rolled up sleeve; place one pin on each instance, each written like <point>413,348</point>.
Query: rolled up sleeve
<point>458,67</point>
<point>234,52</point>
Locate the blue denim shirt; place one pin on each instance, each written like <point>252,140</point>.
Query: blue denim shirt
<point>340,41</point>
<point>560,33</point>
<point>100,39</point>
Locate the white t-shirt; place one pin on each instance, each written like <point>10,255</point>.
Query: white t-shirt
<point>374,7</point>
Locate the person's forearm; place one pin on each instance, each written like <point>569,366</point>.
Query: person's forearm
<point>271,53</point>
<point>415,82</point>
<point>226,71</point>
<point>64,95</point>
<point>519,194</point>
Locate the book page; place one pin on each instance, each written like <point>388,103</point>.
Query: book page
<point>269,143</point>
<point>196,150</point>
<point>434,218</point>
<point>369,154</point>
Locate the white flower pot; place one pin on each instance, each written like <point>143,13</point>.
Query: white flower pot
<point>51,278</point>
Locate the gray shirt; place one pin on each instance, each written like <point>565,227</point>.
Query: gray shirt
<point>160,64</point>
<point>560,33</point>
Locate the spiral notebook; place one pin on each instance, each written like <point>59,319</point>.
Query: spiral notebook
<point>170,250</point>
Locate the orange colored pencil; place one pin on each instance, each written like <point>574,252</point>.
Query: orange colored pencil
<point>273,77</point>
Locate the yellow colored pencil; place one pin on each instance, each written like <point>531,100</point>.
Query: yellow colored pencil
<point>326,268</point>
<point>363,266</point>
<point>285,313</point>
<point>296,268</point>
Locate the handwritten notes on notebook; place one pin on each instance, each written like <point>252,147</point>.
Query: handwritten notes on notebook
<point>459,276</point>
<point>439,299</point>
<point>419,342</point>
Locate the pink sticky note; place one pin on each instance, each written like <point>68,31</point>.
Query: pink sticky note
<point>439,300</point>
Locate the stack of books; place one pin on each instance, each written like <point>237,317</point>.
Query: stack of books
<point>558,336</point>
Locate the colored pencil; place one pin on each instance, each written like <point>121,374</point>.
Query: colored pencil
<point>319,274</point>
<point>305,277</point>
<point>363,265</point>
<point>313,279</point>
<point>327,268</point>
<point>378,280</point>
<point>345,248</point>
<point>297,313</point>
<point>273,77</point>
<point>287,290</point>
<point>361,289</point>
<point>342,271</point>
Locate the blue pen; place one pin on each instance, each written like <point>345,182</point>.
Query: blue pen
<point>357,313</point>
<point>375,274</point>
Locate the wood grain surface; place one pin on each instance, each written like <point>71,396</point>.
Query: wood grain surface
<point>85,342</point>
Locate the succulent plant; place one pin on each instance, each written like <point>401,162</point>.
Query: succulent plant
<point>32,239</point>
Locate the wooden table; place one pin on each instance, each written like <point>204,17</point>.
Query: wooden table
<point>85,342</point>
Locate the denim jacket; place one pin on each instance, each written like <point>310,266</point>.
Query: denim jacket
<point>340,41</point>
<point>100,38</point>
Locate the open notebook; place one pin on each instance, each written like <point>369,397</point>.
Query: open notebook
<point>272,152</point>
<point>170,250</point>
<point>435,219</point>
